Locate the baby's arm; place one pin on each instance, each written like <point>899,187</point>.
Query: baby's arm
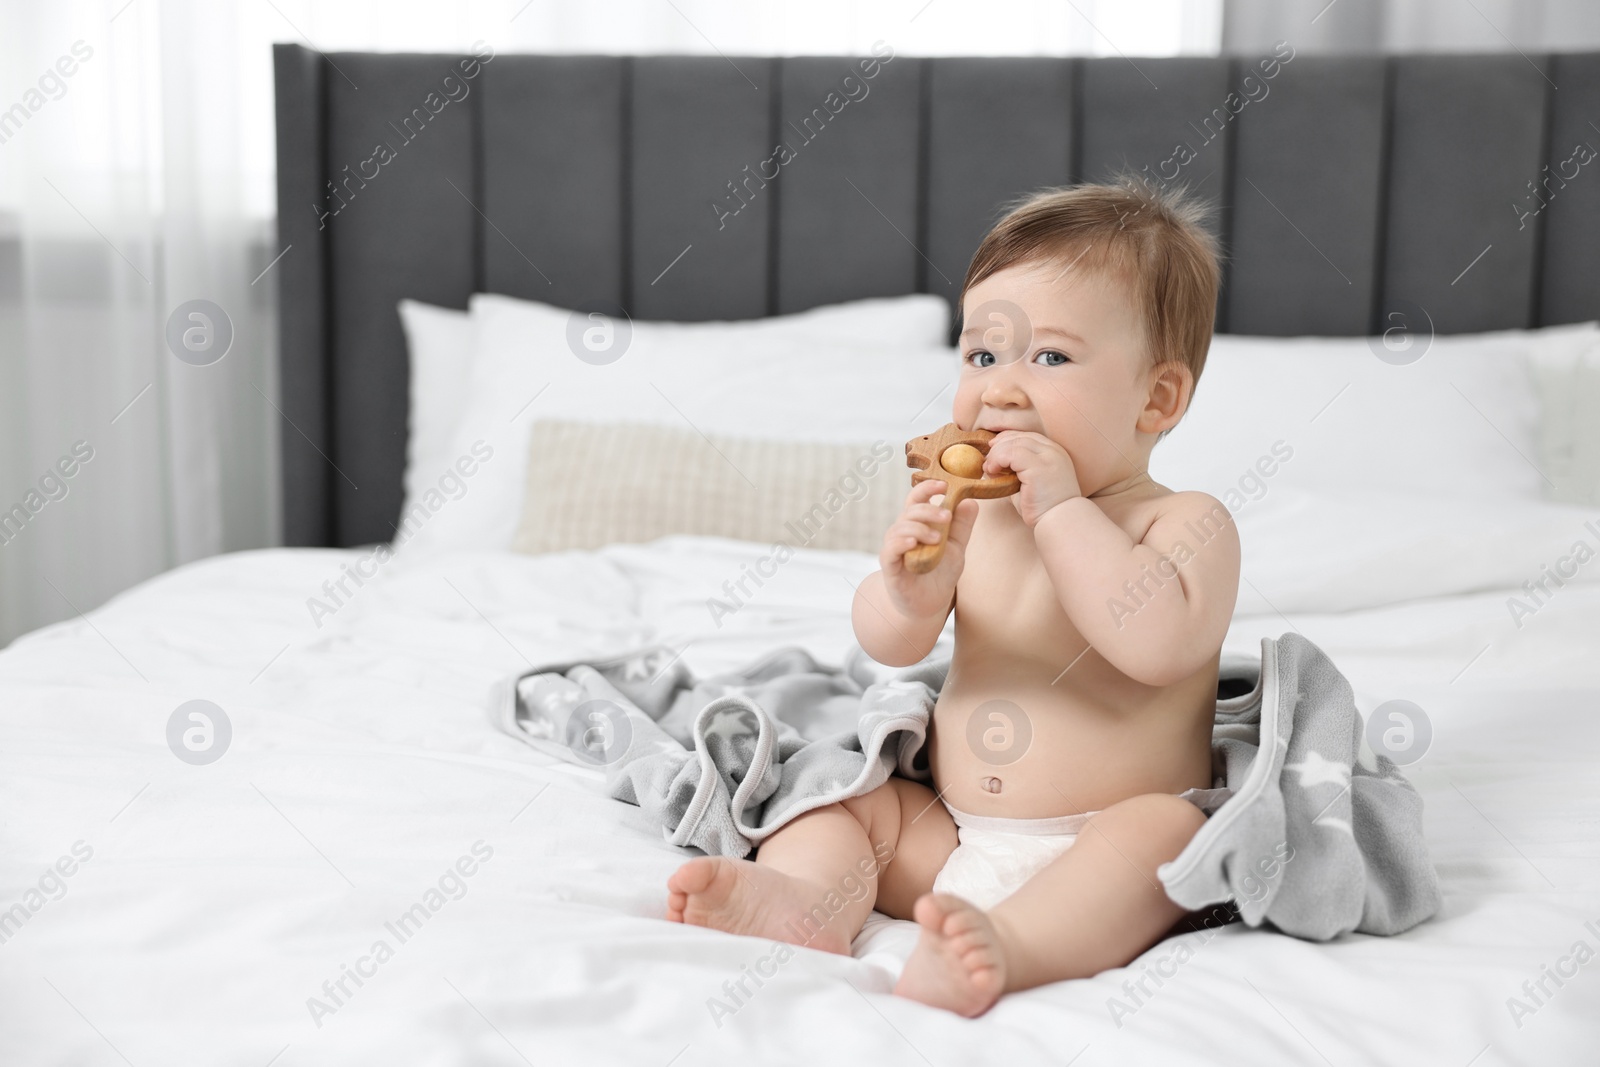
<point>884,633</point>
<point>1157,610</point>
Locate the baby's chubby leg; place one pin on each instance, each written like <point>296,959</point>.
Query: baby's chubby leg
<point>815,881</point>
<point>1096,906</point>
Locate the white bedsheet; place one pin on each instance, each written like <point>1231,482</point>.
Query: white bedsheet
<point>219,898</point>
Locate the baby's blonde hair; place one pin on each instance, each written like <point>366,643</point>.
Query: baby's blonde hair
<point>1152,238</point>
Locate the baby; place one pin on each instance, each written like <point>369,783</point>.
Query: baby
<point>1070,747</point>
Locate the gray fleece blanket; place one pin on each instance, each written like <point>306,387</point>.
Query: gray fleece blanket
<point>1316,836</point>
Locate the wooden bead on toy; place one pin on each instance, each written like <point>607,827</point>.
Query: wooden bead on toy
<point>954,456</point>
<point>963,460</point>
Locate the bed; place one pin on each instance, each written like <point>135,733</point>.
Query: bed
<point>228,912</point>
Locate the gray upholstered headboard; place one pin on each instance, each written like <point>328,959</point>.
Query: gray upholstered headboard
<point>1347,184</point>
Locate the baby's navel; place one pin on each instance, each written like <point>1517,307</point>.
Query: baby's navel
<point>991,785</point>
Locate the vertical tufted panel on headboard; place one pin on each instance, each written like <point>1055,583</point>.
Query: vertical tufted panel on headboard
<point>1468,131</point>
<point>1569,271</point>
<point>404,227</point>
<point>1304,250</point>
<point>850,180</point>
<point>695,127</point>
<point>553,171</point>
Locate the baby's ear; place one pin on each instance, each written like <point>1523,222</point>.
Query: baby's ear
<point>1171,384</point>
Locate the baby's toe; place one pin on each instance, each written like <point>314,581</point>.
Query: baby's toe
<point>964,922</point>
<point>933,910</point>
<point>693,877</point>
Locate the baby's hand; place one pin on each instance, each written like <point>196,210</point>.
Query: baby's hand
<point>921,595</point>
<point>1044,468</point>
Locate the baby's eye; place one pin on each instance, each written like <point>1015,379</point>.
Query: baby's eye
<point>976,358</point>
<point>1055,358</point>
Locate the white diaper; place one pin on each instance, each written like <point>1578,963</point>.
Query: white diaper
<point>994,856</point>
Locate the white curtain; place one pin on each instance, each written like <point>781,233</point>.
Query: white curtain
<point>121,197</point>
<point>136,176</point>
<point>1412,25</point>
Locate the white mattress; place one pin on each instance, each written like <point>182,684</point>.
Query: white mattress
<point>219,898</point>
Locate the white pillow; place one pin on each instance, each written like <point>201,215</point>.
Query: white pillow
<point>1569,393</point>
<point>439,344</point>
<point>1462,419</point>
<point>1343,550</point>
<point>846,373</point>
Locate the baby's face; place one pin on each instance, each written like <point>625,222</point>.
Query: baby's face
<point>1059,352</point>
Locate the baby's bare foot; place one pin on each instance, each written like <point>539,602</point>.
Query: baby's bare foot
<point>741,897</point>
<point>958,963</point>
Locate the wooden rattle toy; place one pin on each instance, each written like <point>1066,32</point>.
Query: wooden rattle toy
<point>954,456</point>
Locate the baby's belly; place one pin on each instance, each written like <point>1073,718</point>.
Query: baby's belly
<point>1016,739</point>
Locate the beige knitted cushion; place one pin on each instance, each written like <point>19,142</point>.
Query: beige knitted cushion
<point>592,484</point>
